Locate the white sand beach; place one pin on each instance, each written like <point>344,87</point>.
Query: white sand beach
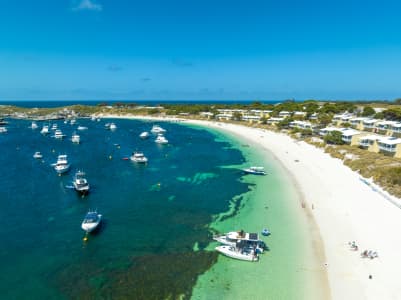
<point>344,208</point>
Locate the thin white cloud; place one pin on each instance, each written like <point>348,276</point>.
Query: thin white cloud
<point>88,5</point>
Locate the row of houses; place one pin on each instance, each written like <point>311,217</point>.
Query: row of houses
<point>389,128</point>
<point>367,133</point>
<point>252,115</point>
<point>389,145</point>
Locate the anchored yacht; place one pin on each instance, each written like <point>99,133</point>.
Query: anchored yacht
<point>45,130</point>
<point>144,135</point>
<point>75,138</point>
<point>157,129</point>
<point>81,185</point>
<point>161,139</point>
<point>59,134</point>
<point>38,155</point>
<point>62,165</point>
<point>138,157</point>
<point>91,221</point>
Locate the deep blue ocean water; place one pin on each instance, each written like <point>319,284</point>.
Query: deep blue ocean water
<point>61,103</point>
<point>155,216</point>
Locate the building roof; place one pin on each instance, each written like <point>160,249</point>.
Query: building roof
<point>390,141</point>
<point>371,137</point>
<point>350,132</point>
<point>370,121</point>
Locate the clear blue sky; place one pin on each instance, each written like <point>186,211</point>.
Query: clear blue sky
<point>128,49</point>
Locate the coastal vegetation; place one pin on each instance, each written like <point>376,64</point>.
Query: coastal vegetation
<point>384,170</point>
<point>334,137</point>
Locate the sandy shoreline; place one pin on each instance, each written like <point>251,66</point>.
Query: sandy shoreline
<point>344,208</point>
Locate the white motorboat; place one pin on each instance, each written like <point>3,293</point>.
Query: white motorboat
<point>91,221</point>
<point>241,239</point>
<point>73,121</point>
<point>80,183</point>
<point>107,125</point>
<point>34,125</point>
<point>82,127</point>
<point>75,138</point>
<point>138,157</point>
<point>58,134</point>
<point>54,127</point>
<point>255,170</point>
<point>157,129</point>
<point>3,129</point>
<point>38,155</point>
<point>62,165</point>
<point>161,139</point>
<point>246,253</point>
<point>113,126</point>
<point>144,135</point>
<point>45,130</point>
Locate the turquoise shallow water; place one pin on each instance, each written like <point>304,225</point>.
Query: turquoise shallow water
<point>154,215</point>
<point>290,270</point>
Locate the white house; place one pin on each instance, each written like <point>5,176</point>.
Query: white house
<point>348,134</point>
<point>369,140</point>
<point>301,125</point>
<point>389,144</point>
<point>284,114</point>
<point>326,130</point>
<point>369,123</point>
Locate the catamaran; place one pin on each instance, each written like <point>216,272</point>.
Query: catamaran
<point>241,239</point>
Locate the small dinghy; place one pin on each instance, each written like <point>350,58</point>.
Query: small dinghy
<point>265,232</point>
<point>38,155</point>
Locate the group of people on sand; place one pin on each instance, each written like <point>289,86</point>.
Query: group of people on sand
<point>353,246</point>
<point>365,254</point>
<point>369,254</point>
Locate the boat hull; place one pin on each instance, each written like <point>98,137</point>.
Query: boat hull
<point>89,227</point>
<point>82,190</point>
<point>63,169</point>
<point>247,171</point>
<point>232,252</point>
